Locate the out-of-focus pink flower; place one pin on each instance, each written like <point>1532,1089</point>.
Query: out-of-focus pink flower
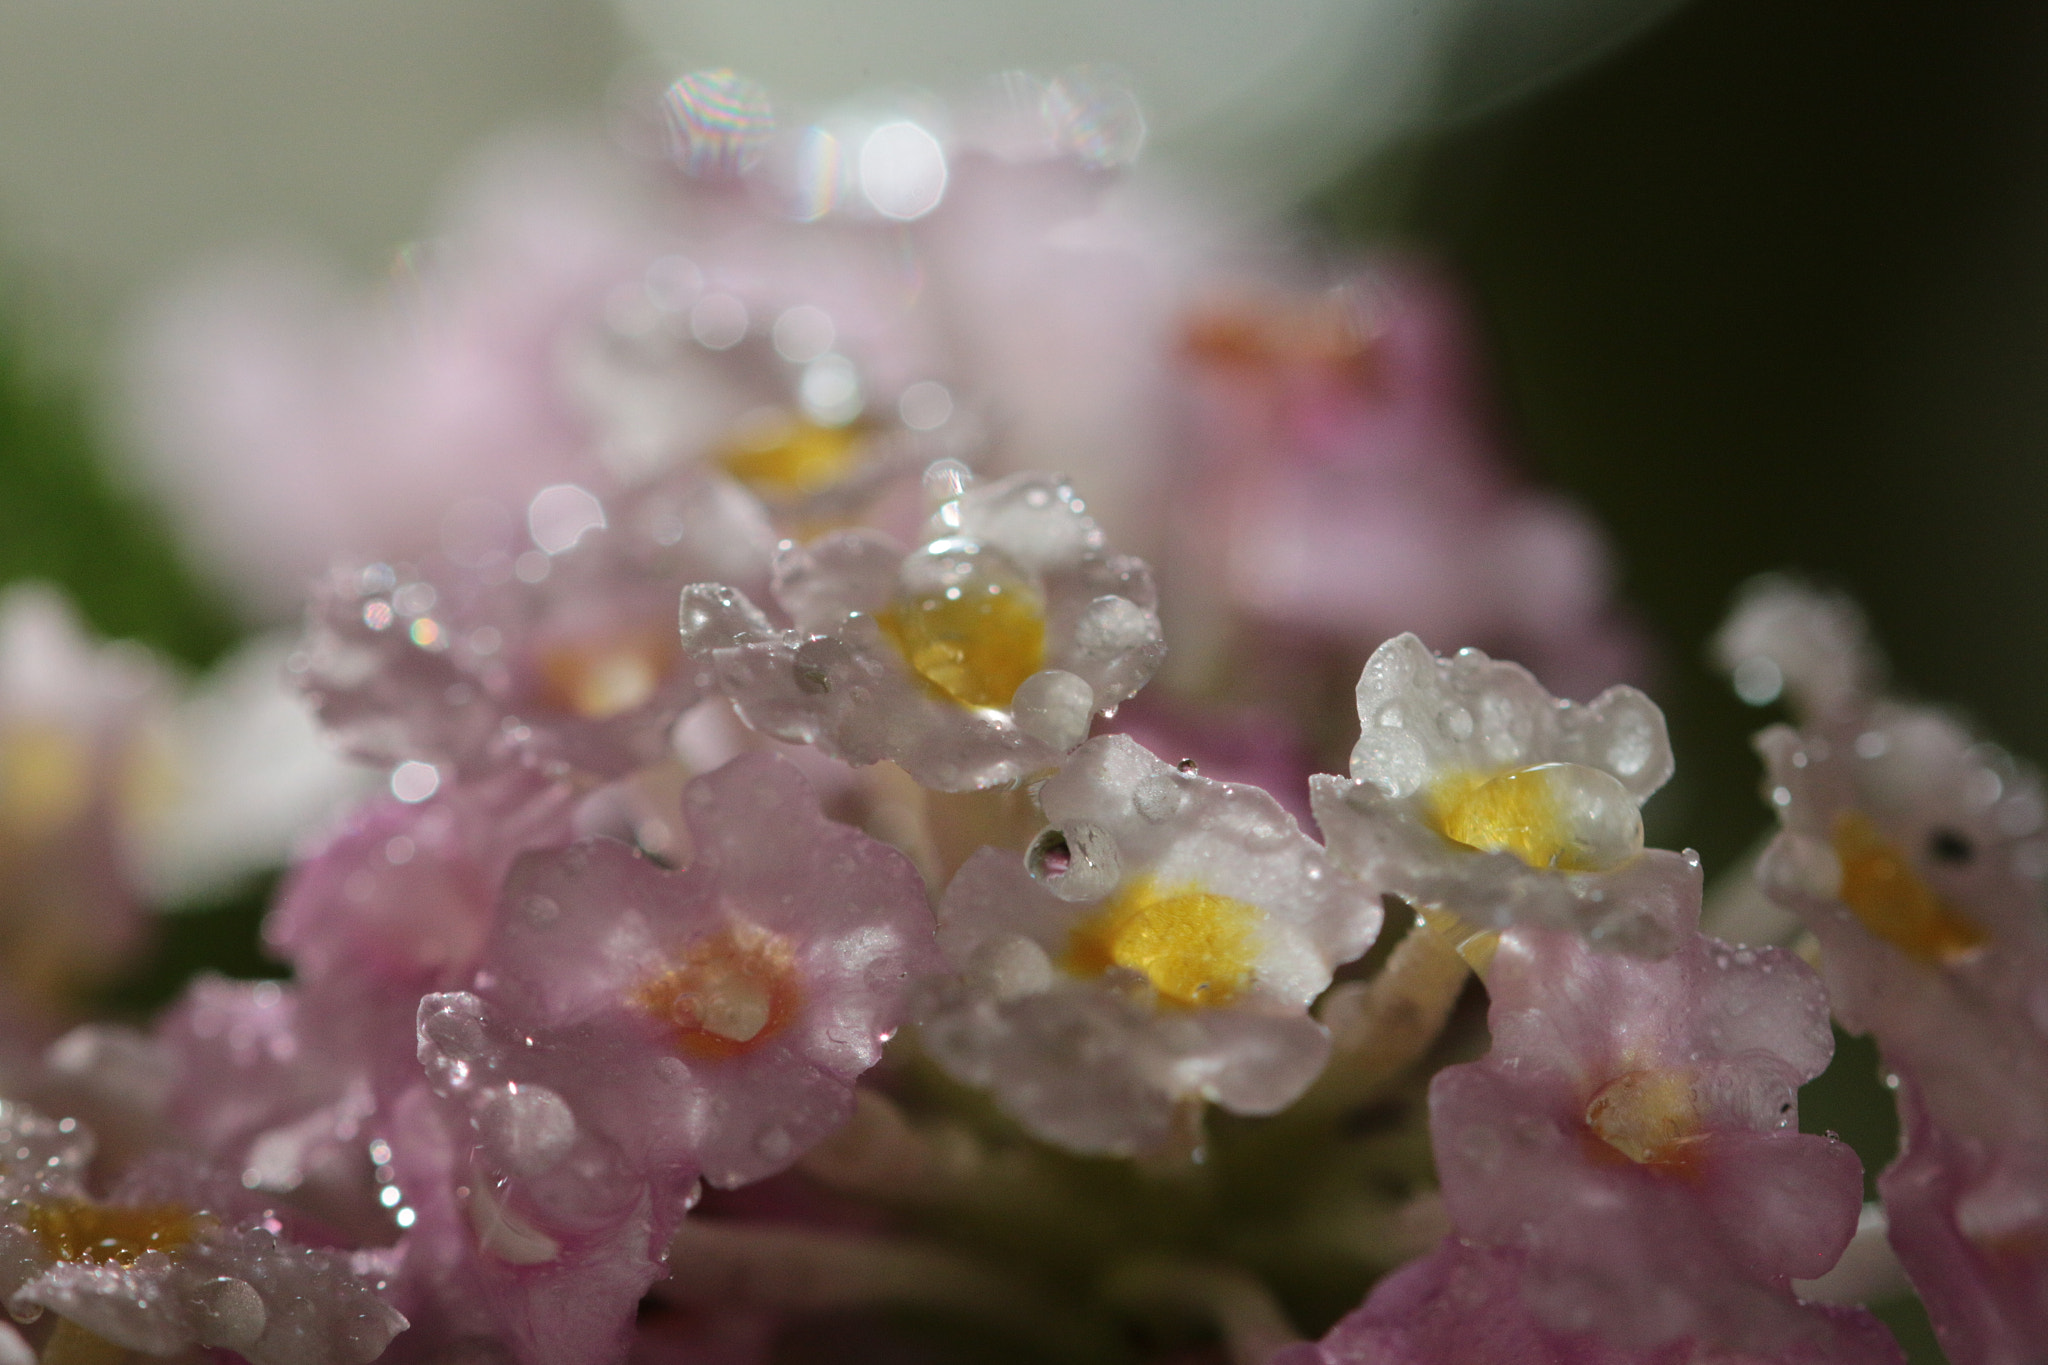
<point>552,645</point>
<point>1350,486</point>
<point>76,775</point>
<point>1625,1165</point>
<point>172,1259</point>
<point>286,427</point>
<point>402,898</point>
<point>1915,855</point>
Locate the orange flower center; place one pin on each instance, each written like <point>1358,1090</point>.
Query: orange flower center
<point>727,994</point>
<point>604,678</point>
<point>1891,900</point>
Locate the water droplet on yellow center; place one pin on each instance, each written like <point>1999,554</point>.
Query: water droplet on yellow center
<point>1641,1114</point>
<point>789,458</point>
<point>973,632</point>
<point>600,680</point>
<point>73,1230</point>
<point>1554,815</point>
<point>1195,947</point>
<point>726,993</point>
<point>1891,900</point>
<point>45,779</point>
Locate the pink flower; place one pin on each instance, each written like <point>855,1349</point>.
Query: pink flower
<point>1463,1304</point>
<point>288,427</point>
<point>1624,1173</point>
<point>1914,853</point>
<point>401,899</point>
<point>555,647</point>
<point>1358,490</point>
<point>631,1028</point>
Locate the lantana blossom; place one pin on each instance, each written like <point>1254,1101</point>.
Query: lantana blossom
<point>164,1263</point>
<point>1349,426</point>
<point>1159,945</point>
<point>1473,790</point>
<point>1915,853</point>
<point>632,1028</point>
<point>551,644</point>
<point>977,658</point>
<point>1624,1173</point>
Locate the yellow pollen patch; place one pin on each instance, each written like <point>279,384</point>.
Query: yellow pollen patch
<point>790,458</point>
<point>1195,947</point>
<point>973,640</point>
<point>73,1230</point>
<point>45,779</point>
<point>1891,900</point>
<point>601,679</point>
<point>1554,815</point>
<point>1641,1114</point>
<point>726,994</point>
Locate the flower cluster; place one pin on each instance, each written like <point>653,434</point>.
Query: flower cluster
<point>741,689</point>
<point>1914,854</point>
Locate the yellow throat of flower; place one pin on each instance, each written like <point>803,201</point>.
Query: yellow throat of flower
<point>1645,1114</point>
<point>789,458</point>
<point>1554,815</point>
<point>726,994</point>
<point>1891,901</point>
<point>600,679</point>
<point>1196,948</point>
<point>74,1230</point>
<point>972,640</point>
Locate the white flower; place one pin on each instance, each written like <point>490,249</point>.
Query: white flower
<point>1162,946</point>
<point>1476,792</point>
<point>974,660</point>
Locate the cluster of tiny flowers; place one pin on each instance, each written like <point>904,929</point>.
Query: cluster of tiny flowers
<point>798,882</point>
<point>1913,854</point>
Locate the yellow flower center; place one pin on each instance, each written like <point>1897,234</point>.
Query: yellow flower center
<point>601,679</point>
<point>726,994</point>
<point>973,634</point>
<point>73,1230</point>
<point>45,779</point>
<point>1643,1114</point>
<point>1892,902</point>
<point>1195,947</point>
<point>1554,815</point>
<point>789,458</point>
